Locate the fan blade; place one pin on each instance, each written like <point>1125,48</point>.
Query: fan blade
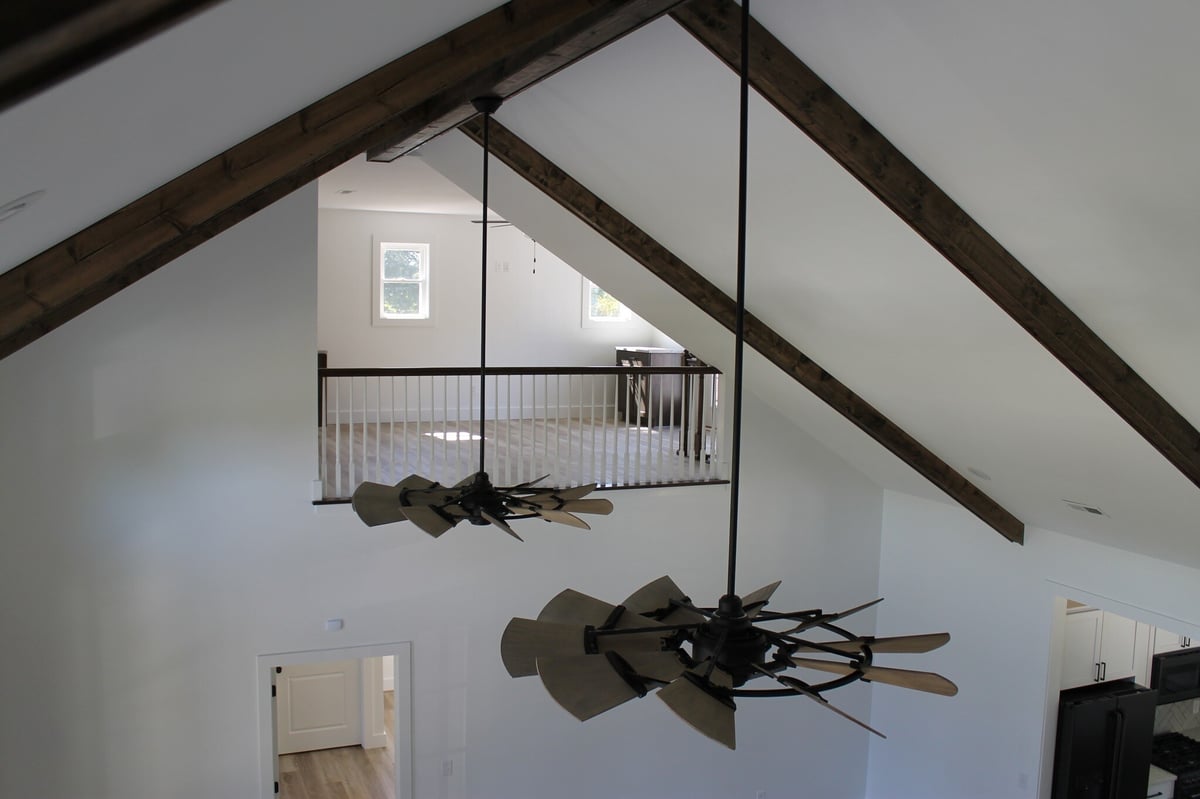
<point>654,595</point>
<point>600,506</point>
<point>503,525</point>
<point>572,607</point>
<point>556,497</point>
<point>428,519</point>
<point>828,617</point>
<point>903,644</point>
<point>575,608</point>
<point>708,714</point>
<point>586,685</point>
<point>659,666</point>
<point>825,703</point>
<point>902,678</point>
<point>563,517</point>
<point>759,598</point>
<point>802,687</point>
<point>428,497</point>
<point>576,492</point>
<point>377,504</point>
<point>417,482</point>
<point>525,640</point>
<point>657,596</point>
<point>525,484</point>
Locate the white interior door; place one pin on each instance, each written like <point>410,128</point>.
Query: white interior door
<point>318,706</point>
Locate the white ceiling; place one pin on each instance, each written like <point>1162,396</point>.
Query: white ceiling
<point>406,185</point>
<point>1065,129</point>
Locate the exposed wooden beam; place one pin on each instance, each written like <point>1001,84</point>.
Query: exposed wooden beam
<point>415,95</point>
<point>788,84</point>
<point>637,244</point>
<point>42,43</point>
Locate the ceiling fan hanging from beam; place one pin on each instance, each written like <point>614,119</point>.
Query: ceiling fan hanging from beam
<point>435,508</point>
<point>593,656</point>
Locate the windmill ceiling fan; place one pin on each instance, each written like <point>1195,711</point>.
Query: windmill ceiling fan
<point>435,508</point>
<point>593,656</point>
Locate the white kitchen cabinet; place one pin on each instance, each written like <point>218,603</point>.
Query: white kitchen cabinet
<point>1117,642</point>
<point>1079,648</point>
<point>1097,647</point>
<point>1165,641</point>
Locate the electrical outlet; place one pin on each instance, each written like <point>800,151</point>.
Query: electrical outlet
<point>760,795</point>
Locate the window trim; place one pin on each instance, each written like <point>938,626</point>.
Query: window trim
<point>378,318</point>
<point>587,320</point>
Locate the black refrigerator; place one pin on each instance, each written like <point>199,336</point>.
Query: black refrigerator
<point>1105,732</point>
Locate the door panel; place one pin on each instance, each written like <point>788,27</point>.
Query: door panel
<point>1079,648</point>
<point>1117,646</point>
<point>319,706</point>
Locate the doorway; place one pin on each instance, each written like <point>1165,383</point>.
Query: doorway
<point>280,672</point>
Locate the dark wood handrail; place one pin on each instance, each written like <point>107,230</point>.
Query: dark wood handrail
<point>457,371</point>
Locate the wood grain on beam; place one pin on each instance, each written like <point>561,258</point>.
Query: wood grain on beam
<point>523,159</point>
<point>42,43</point>
<point>788,84</point>
<point>503,50</point>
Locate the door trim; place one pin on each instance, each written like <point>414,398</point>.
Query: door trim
<point>402,672</point>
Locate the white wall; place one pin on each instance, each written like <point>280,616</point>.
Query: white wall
<point>457,157</point>
<point>942,569</point>
<point>534,306</point>
<point>158,537</point>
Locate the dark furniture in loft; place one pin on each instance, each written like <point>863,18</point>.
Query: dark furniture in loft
<point>655,400</point>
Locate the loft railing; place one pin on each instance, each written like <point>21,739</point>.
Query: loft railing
<point>617,426</point>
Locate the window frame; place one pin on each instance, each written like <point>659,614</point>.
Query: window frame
<point>587,320</point>
<point>424,315</point>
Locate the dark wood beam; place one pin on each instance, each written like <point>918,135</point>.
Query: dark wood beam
<point>452,109</point>
<point>801,96</point>
<point>42,43</point>
<point>523,159</point>
<point>504,50</point>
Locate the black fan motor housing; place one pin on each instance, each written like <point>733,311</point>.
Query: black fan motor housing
<point>731,640</point>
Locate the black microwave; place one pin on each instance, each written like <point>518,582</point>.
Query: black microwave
<point>1176,675</point>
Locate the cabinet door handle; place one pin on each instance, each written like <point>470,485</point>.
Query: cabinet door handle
<point>1103,670</point>
<point>1097,677</point>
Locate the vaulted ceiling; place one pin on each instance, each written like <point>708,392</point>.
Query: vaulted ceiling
<point>1065,132</point>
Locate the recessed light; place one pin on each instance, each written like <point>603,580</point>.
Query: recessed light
<point>982,475</point>
<point>14,207</point>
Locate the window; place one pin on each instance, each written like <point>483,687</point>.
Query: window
<point>401,282</point>
<point>602,308</point>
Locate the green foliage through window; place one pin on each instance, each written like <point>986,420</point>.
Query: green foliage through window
<point>403,281</point>
<point>603,305</point>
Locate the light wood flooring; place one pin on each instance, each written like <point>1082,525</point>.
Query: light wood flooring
<point>572,452</point>
<point>349,772</point>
